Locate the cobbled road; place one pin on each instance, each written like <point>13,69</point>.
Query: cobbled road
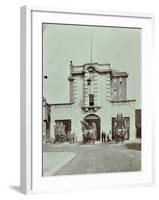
<point>98,158</point>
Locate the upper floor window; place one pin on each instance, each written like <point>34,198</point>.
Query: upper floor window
<point>91,99</point>
<point>115,81</point>
<point>120,80</point>
<point>90,69</point>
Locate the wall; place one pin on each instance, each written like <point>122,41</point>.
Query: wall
<point>119,88</point>
<point>78,90</point>
<point>9,87</point>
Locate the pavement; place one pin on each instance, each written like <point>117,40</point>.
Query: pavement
<point>54,161</point>
<point>69,159</point>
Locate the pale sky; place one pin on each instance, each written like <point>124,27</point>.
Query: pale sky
<point>121,47</point>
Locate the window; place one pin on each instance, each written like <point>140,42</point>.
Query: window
<point>115,81</point>
<point>115,92</point>
<point>91,99</point>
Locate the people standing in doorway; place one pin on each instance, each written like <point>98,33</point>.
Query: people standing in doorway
<point>109,137</point>
<point>94,127</point>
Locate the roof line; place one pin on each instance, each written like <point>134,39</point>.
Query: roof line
<point>59,104</point>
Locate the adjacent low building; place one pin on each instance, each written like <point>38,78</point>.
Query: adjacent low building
<point>97,94</point>
<point>46,121</point>
<point>138,123</point>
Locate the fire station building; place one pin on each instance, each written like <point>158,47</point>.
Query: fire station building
<point>97,94</point>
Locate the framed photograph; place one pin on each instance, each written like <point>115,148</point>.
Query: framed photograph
<point>86,100</point>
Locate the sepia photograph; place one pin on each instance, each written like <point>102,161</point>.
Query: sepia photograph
<point>91,99</point>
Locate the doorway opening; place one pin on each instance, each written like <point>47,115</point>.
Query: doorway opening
<point>94,118</point>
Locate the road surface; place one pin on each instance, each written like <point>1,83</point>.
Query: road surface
<point>98,158</point>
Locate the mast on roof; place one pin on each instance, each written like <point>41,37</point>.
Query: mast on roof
<point>91,47</point>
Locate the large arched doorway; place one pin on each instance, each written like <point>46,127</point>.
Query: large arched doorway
<point>94,118</point>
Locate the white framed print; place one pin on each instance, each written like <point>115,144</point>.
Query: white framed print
<point>86,100</point>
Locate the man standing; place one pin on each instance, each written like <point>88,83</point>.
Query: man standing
<point>109,137</point>
<point>103,136</point>
<point>92,135</point>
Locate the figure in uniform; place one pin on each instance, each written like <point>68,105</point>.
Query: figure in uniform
<point>92,134</point>
<point>103,136</point>
<point>56,133</point>
<point>109,137</point>
<point>123,134</point>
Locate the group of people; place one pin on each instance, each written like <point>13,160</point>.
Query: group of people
<point>89,133</point>
<point>119,135</point>
<point>59,131</point>
<point>61,135</point>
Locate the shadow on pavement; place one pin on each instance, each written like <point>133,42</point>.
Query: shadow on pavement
<point>134,146</point>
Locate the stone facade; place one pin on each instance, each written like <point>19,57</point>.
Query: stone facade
<point>97,93</point>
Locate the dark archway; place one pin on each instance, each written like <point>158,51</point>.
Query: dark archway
<point>94,118</point>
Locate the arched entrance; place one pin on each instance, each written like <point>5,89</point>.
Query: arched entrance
<point>94,118</point>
